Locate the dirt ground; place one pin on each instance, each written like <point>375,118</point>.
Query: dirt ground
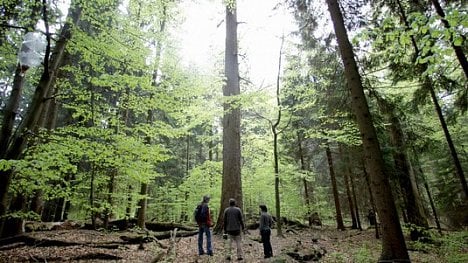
<point>328,245</point>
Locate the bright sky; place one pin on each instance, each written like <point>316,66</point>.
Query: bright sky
<point>259,31</point>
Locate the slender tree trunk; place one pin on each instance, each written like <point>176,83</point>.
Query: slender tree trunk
<point>393,242</point>
<point>336,196</point>
<point>347,175</point>
<point>274,129</point>
<point>372,201</point>
<point>304,181</point>
<point>429,195</point>
<point>428,83</point>
<point>458,49</point>
<point>356,206</point>
<point>91,197</point>
<point>448,137</point>
<point>108,213</point>
<point>232,178</point>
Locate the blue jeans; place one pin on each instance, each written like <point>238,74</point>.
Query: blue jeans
<point>204,229</point>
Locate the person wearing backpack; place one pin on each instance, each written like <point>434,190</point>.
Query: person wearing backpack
<point>266,223</point>
<point>203,219</point>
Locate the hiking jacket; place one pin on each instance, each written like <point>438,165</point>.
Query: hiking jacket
<point>266,222</point>
<point>233,221</point>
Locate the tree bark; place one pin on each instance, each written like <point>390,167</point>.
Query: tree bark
<point>393,242</point>
<point>336,196</point>
<point>232,179</point>
<point>304,181</point>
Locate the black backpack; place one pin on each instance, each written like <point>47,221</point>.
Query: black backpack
<point>201,213</point>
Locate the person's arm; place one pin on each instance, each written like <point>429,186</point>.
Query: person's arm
<point>209,221</point>
<point>241,220</point>
<point>225,221</point>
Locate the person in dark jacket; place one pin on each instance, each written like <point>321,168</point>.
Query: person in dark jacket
<point>266,222</point>
<point>233,227</point>
<point>204,225</point>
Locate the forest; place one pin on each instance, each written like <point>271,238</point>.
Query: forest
<point>109,141</point>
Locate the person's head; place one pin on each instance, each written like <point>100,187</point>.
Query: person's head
<point>232,202</point>
<point>206,199</point>
<point>263,208</point>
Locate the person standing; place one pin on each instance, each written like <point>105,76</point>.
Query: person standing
<point>266,222</point>
<point>233,226</point>
<point>203,218</point>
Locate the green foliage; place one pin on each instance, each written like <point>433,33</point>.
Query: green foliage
<point>363,254</point>
<point>453,247</point>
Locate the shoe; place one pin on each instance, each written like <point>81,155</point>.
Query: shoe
<point>240,258</point>
<point>228,258</point>
<point>210,254</point>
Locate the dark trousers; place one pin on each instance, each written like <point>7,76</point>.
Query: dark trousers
<point>267,249</point>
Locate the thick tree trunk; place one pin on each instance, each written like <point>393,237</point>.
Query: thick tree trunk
<point>232,179</point>
<point>393,242</point>
<point>336,196</point>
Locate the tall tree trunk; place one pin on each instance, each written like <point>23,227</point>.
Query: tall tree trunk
<point>304,181</point>
<point>393,242</point>
<point>128,209</point>
<point>428,83</point>
<point>356,206</point>
<point>448,137</point>
<point>336,196</point>
<point>232,179</point>
<point>349,194</point>
<point>143,202</point>
<point>274,130</point>
<point>108,213</point>
<point>347,175</point>
<point>91,196</point>
<point>458,49</point>
<point>428,191</point>
<point>372,201</point>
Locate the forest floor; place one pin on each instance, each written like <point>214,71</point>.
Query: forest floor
<point>327,244</point>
